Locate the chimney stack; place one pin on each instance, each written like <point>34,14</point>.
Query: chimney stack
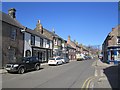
<point>69,37</point>
<point>39,27</point>
<point>11,12</point>
<point>68,41</point>
<point>113,29</point>
<point>77,43</point>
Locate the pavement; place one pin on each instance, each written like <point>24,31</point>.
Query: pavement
<point>102,64</point>
<point>106,75</point>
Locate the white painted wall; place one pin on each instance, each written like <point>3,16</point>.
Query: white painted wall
<point>27,42</point>
<point>43,43</point>
<point>50,44</point>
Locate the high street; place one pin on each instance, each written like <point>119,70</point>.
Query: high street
<point>70,75</point>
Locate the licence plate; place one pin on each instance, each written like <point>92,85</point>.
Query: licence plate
<point>7,68</point>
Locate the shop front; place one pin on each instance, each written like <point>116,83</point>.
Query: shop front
<point>43,54</point>
<point>113,54</point>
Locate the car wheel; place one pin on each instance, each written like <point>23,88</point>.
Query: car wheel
<point>8,71</point>
<point>21,70</point>
<point>37,67</point>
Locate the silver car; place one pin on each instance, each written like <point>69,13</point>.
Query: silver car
<point>65,59</point>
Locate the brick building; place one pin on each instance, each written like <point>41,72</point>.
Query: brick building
<point>111,46</point>
<point>71,52</point>
<point>72,49</point>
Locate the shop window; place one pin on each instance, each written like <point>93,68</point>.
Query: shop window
<point>119,54</point>
<point>48,42</point>
<point>69,57</point>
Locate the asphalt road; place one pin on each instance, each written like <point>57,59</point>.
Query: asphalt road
<point>70,75</point>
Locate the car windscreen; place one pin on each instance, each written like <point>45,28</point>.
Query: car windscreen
<point>58,58</point>
<point>52,59</point>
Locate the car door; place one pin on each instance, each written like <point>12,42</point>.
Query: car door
<point>57,60</point>
<point>27,63</point>
<point>60,60</point>
<point>32,62</point>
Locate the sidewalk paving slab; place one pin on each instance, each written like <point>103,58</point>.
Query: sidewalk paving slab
<point>104,81</point>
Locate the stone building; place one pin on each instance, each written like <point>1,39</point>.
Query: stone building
<point>111,46</point>
<point>12,37</point>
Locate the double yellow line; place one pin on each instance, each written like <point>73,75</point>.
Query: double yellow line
<point>86,84</point>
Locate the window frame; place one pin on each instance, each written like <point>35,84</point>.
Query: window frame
<point>118,40</point>
<point>32,40</point>
<point>41,42</point>
<point>13,34</point>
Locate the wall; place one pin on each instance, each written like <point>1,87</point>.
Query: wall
<point>27,42</point>
<point>7,42</point>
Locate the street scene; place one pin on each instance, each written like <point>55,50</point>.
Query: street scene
<point>60,45</point>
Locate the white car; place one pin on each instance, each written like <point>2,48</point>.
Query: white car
<point>55,61</point>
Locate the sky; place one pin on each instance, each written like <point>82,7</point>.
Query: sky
<point>86,22</point>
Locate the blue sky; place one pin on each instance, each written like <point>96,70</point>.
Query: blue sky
<point>86,22</point>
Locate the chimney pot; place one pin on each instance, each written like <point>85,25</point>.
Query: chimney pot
<point>113,29</point>
<point>69,37</point>
<point>11,12</point>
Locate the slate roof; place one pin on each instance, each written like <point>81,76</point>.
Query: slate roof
<point>8,19</point>
<point>36,33</point>
<point>69,46</point>
<point>53,34</point>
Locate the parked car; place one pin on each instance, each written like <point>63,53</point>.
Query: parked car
<point>80,57</point>
<point>27,63</point>
<point>65,59</point>
<point>86,58</point>
<point>90,57</point>
<point>55,61</point>
<point>100,56</point>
